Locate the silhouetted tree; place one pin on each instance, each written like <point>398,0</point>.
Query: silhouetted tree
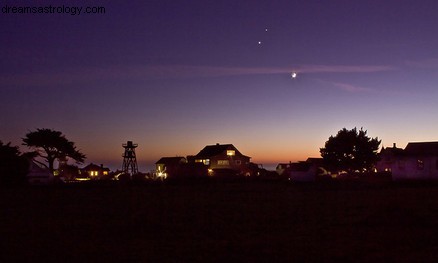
<point>13,165</point>
<point>52,145</point>
<point>350,150</point>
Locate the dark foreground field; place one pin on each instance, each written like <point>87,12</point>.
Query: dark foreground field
<point>227,222</point>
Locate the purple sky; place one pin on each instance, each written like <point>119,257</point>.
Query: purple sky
<point>174,76</point>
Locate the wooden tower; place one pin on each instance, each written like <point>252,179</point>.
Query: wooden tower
<point>129,159</point>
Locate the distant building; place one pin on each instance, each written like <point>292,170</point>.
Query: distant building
<point>94,171</point>
<point>223,159</point>
<point>38,175</point>
<point>169,166</point>
<point>303,171</point>
<point>282,168</point>
<point>419,160</point>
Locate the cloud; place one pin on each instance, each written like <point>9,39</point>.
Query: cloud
<point>430,63</point>
<point>351,88</point>
<point>346,87</point>
<point>81,75</point>
<point>343,69</point>
<point>212,71</point>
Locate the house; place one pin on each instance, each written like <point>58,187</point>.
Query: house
<point>94,171</point>
<point>169,166</point>
<point>282,168</point>
<point>389,157</point>
<point>419,160</point>
<point>38,175</point>
<point>303,171</point>
<point>222,159</point>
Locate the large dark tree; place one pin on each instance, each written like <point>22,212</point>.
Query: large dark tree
<point>52,145</point>
<point>351,151</point>
<point>13,165</point>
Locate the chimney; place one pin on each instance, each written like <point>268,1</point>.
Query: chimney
<point>394,145</point>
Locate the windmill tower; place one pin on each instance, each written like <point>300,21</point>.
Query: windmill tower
<point>129,159</point>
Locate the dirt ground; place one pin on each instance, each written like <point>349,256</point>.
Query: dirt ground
<point>220,222</point>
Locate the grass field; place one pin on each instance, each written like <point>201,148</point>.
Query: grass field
<point>220,222</point>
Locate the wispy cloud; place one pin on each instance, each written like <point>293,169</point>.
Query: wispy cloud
<point>351,88</point>
<point>344,68</point>
<point>212,71</point>
<point>425,63</point>
<point>170,71</point>
<point>347,87</point>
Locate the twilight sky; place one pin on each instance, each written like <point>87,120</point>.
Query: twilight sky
<point>174,76</point>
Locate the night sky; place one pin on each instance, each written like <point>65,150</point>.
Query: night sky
<point>174,76</point>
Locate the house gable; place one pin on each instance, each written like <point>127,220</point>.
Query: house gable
<point>166,163</point>
<point>222,156</point>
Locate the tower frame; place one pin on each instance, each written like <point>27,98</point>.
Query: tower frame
<point>129,158</point>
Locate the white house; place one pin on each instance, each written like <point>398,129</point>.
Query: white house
<point>419,160</point>
<point>304,171</point>
<point>38,175</point>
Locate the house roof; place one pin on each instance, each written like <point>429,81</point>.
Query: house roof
<point>300,166</point>
<point>213,150</point>
<point>94,167</point>
<point>422,148</point>
<point>392,150</point>
<point>171,160</point>
<point>315,161</point>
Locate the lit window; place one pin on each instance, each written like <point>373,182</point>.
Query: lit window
<point>223,162</point>
<point>204,161</point>
<point>231,152</point>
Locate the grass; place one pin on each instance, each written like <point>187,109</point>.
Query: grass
<point>217,222</point>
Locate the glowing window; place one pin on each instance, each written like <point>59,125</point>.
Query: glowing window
<point>204,161</point>
<point>231,152</point>
<point>223,162</point>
